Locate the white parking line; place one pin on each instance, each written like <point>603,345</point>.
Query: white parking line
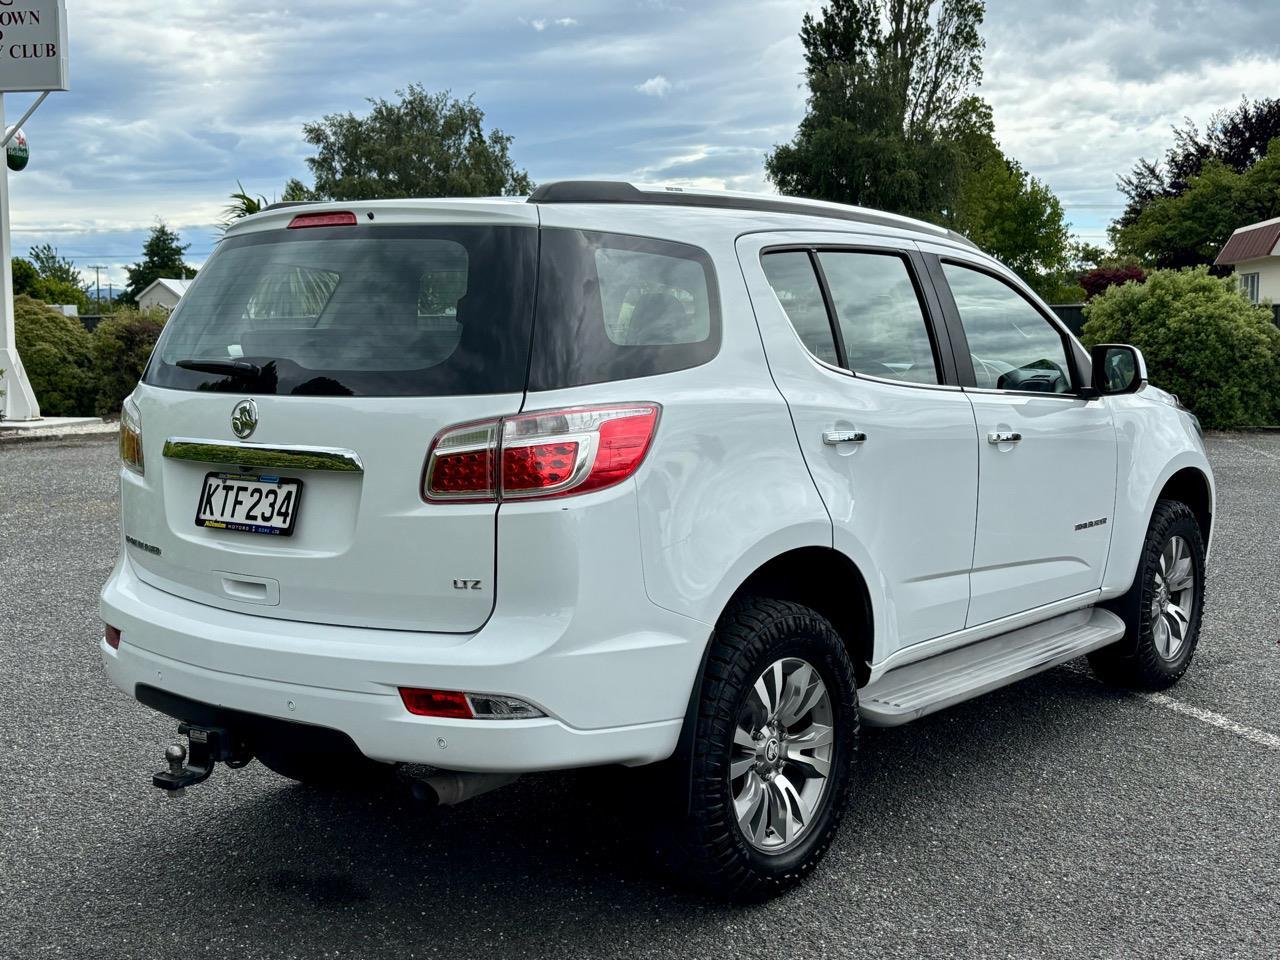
<point>1260,737</point>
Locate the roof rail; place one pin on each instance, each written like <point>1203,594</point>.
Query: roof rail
<point>617,191</point>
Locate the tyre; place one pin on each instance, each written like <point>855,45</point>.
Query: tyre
<point>770,760</point>
<point>324,769</point>
<point>1162,609</point>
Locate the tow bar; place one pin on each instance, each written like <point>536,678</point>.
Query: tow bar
<point>189,766</point>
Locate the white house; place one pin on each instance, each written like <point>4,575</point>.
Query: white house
<point>162,293</point>
<point>1255,253</point>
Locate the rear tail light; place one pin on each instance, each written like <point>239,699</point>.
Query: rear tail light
<point>131,436</point>
<point>456,705</point>
<point>341,219</point>
<point>534,456</point>
<point>111,635</point>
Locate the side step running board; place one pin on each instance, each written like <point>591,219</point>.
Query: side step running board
<point>919,688</point>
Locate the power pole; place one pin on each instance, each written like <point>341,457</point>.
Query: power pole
<point>97,283</point>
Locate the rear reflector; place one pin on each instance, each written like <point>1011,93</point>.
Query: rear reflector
<point>342,219</point>
<point>436,703</point>
<point>466,706</point>
<point>112,636</point>
<point>541,455</point>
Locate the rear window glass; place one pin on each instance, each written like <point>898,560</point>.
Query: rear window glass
<point>614,307</point>
<point>357,311</point>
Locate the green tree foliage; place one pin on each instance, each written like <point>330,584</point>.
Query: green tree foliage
<point>424,145</point>
<point>26,278</point>
<point>51,266</point>
<point>1237,138</point>
<point>55,352</point>
<point>242,205</point>
<point>1189,228</point>
<point>161,259</point>
<point>1012,216</point>
<point>120,346</point>
<point>1202,339</point>
<point>890,86</point>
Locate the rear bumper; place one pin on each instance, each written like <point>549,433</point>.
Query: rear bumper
<point>619,699</point>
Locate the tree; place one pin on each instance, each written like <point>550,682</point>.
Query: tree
<point>426,145</point>
<point>1011,215</point>
<point>53,267</point>
<point>1202,339</point>
<point>1189,228</point>
<point>242,205</point>
<point>26,278</point>
<point>890,94</point>
<point>1097,280</point>
<point>120,346</point>
<point>161,258</point>
<point>55,353</point>
<point>49,277</point>
<point>1236,138</point>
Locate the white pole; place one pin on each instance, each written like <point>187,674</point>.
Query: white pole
<point>18,402</point>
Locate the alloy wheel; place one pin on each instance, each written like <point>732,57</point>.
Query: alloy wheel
<point>782,752</point>
<point>1173,598</point>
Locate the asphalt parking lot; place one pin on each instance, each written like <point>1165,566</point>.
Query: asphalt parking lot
<point>1053,818</point>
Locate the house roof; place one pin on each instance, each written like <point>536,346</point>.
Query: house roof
<point>176,287</point>
<point>1251,242</point>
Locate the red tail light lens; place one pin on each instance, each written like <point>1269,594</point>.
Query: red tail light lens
<point>436,703</point>
<point>342,219</point>
<point>548,454</point>
<point>112,636</point>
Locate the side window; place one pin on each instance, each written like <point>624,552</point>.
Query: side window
<point>791,275</point>
<point>1012,345</point>
<point>614,307</point>
<point>882,321</point>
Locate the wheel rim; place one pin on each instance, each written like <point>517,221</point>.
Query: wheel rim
<point>1173,598</point>
<point>782,749</point>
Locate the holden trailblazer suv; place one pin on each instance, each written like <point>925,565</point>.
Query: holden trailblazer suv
<point>637,476</point>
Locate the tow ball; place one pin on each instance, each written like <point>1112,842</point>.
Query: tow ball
<point>194,763</point>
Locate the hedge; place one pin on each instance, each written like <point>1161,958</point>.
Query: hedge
<point>55,352</point>
<point>122,344</point>
<point>1203,340</point>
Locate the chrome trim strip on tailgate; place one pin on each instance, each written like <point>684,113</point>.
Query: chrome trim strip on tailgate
<point>262,455</point>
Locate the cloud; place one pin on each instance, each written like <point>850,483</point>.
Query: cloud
<point>657,86</point>
<point>541,23</point>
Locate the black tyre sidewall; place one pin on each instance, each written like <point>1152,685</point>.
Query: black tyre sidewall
<point>791,631</point>
<point>1179,523</point>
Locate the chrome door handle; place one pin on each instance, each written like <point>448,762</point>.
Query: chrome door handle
<point>1002,437</point>
<point>832,437</point>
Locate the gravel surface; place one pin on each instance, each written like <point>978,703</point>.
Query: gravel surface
<point>1053,818</point>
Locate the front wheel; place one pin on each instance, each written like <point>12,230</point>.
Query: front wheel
<point>1162,609</point>
<point>772,752</point>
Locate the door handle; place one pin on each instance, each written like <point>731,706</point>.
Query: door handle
<point>1003,437</point>
<point>833,437</point>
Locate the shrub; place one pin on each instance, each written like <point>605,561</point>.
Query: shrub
<point>1203,340</point>
<point>122,344</point>
<point>55,352</point>
<point>1097,280</point>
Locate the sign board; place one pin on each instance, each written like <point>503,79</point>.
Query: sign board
<point>33,45</point>
<point>18,151</point>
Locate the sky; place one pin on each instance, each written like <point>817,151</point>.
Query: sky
<point>172,101</point>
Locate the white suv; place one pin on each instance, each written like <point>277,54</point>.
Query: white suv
<point>619,475</point>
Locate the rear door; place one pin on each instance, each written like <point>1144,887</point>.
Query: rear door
<point>888,436</point>
<point>356,344</point>
<point>1047,457</point>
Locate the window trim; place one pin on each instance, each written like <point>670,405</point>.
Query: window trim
<point>930,312</point>
<point>1077,365</point>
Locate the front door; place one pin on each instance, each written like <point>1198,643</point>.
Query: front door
<point>1046,457</point>
<point>888,436</point>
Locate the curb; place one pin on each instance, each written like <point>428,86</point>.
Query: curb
<point>100,431</point>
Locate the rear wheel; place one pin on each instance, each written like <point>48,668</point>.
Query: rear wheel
<point>772,751</point>
<point>1162,609</point>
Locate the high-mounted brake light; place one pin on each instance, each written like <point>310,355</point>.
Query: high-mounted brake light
<point>535,456</point>
<point>343,219</point>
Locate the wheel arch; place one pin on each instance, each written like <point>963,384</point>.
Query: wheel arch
<point>1191,486</point>
<point>828,582</point>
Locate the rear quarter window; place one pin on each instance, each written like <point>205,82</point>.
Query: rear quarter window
<point>616,307</point>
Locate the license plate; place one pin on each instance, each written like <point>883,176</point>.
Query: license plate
<point>236,501</point>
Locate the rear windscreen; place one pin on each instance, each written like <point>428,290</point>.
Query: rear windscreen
<point>357,311</point>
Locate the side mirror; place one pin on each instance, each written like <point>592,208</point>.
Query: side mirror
<point>1117,368</point>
